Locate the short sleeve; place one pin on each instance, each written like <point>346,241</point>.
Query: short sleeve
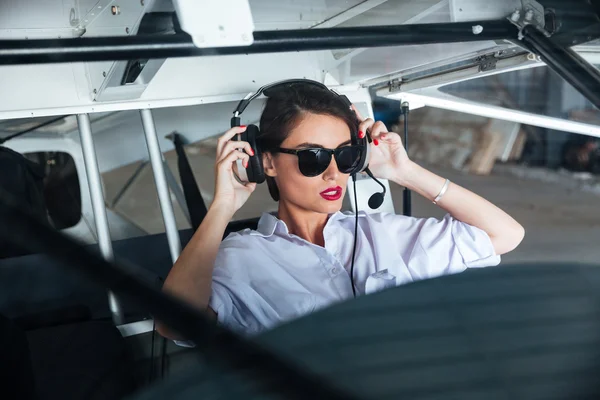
<point>229,294</point>
<point>431,247</point>
<point>233,299</point>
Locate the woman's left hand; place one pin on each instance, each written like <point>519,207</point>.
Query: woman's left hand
<point>388,156</point>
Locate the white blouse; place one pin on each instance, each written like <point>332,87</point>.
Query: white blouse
<point>265,277</point>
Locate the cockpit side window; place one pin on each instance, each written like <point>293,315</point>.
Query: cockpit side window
<point>62,191</point>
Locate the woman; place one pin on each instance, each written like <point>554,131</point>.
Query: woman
<point>300,260</point>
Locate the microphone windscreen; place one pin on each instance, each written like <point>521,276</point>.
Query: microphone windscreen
<point>376,200</point>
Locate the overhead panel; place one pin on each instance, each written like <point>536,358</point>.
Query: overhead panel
<point>476,10</point>
<point>122,80</point>
<point>28,19</point>
<point>230,75</point>
<point>294,14</point>
<point>365,64</point>
<point>391,12</point>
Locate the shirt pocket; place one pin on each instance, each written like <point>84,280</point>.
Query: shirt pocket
<point>379,281</point>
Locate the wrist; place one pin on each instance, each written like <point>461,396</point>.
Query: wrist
<point>221,209</point>
<point>407,175</point>
<point>421,181</point>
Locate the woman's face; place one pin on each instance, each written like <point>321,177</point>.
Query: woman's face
<point>323,193</point>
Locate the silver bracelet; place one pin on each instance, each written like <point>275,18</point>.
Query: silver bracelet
<point>442,192</point>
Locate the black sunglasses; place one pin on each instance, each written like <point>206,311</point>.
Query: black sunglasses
<point>314,161</point>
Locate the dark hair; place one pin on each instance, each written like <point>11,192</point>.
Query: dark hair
<point>285,108</point>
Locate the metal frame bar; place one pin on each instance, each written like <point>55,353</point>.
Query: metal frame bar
<point>468,72</point>
<point>180,45</point>
<point>565,62</point>
<point>128,105</point>
<point>447,65</point>
<point>97,199</point>
<point>434,98</point>
<point>162,187</point>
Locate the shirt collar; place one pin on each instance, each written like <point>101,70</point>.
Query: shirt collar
<point>268,223</point>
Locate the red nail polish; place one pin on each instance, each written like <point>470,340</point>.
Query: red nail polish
<point>251,152</point>
<point>376,142</point>
<point>361,134</point>
<point>242,126</point>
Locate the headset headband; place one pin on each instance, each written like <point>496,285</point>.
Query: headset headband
<point>235,120</point>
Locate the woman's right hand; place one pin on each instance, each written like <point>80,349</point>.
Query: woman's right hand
<point>230,193</point>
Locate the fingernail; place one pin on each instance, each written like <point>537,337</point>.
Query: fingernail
<point>376,142</point>
<point>361,134</point>
<point>245,164</point>
<point>242,126</point>
<point>251,152</point>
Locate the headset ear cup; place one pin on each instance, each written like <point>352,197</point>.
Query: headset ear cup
<point>365,155</point>
<point>255,169</point>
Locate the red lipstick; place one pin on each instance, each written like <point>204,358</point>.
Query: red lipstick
<point>332,193</point>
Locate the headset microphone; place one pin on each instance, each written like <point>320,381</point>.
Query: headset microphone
<point>376,199</point>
